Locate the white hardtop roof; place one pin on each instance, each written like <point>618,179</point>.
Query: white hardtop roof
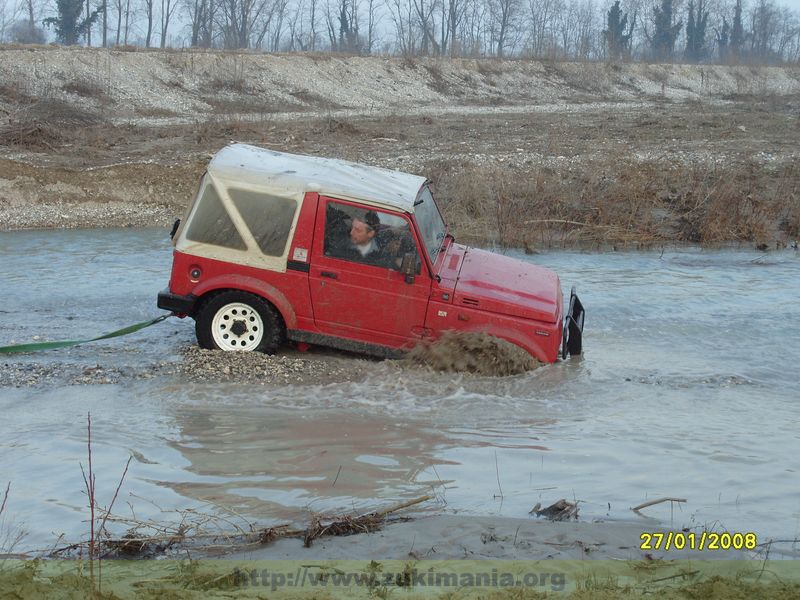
<point>297,173</point>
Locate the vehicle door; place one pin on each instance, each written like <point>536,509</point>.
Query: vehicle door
<point>365,296</point>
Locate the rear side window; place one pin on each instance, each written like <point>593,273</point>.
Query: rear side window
<point>269,218</point>
<point>211,224</point>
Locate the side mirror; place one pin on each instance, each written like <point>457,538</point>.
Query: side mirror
<point>175,226</point>
<point>408,266</point>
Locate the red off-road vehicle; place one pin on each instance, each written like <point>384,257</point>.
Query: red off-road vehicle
<point>280,247</point>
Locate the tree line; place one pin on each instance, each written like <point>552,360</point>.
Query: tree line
<point>697,31</point>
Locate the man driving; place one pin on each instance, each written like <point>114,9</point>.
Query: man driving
<point>357,243</point>
<point>362,235</point>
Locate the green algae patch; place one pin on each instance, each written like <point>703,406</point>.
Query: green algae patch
<point>334,579</point>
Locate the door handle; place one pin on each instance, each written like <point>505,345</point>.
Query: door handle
<point>330,274</point>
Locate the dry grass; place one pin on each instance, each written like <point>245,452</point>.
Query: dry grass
<point>601,200</point>
<point>238,129</point>
<point>331,125</point>
<point>315,100</point>
<point>489,68</point>
<point>437,82</point>
<point>15,93</point>
<point>599,177</point>
<point>617,203</point>
<point>156,112</point>
<point>246,104</point>
<point>85,88</point>
<point>228,83</point>
<point>45,124</point>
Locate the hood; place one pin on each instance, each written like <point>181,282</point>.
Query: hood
<point>508,286</point>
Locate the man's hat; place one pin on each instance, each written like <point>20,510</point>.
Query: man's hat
<point>372,220</point>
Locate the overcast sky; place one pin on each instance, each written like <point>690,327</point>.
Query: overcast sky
<point>793,4</point>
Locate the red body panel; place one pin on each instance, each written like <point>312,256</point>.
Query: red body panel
<point>287,291</point>
<point>510,299</point>
<point>364,302</point>
<point>503,285</point>
<point>542,340</point>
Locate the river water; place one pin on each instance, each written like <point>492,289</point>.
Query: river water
<point>688,388</point>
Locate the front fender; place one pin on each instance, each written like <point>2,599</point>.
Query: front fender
<point>542,340</point>
<point>515,336</point>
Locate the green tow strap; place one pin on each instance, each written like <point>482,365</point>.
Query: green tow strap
<point>18,348</point>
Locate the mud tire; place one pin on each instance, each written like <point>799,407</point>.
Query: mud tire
<point>270,331</point>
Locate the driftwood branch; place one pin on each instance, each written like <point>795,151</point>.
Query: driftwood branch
<point>135,544</point>
<point>659,501</point>
<point>351,525</point>
<point>562,221</point>
<point>403,505</point>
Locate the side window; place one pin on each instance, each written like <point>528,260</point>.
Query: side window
<point>211,224</point>
<point>367,236</point>
<point>269,218</point>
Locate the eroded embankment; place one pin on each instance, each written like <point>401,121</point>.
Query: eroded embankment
<point>191,83</point>
<point>522,153</point>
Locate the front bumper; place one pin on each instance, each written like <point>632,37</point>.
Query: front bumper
<point>572,336</point>
<point>180,305</point>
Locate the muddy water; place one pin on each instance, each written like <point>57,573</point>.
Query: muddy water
<point>688,388</point>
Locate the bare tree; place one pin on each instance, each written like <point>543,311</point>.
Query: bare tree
<point>89,23</point>
<point>763,29</point>
<point>167,11</point>
<point>238,21</point>
<point>788,35</point>
<point>312,22</point>
<point>402,13</point>
<point>104,27</point>
<point>7,18</point>
<point>342,24</point>
<point>148,9</point>
<point>452,14</point>
<point>565,29</point>
<point>475,29</point>
<point>276,15</point>
<point>373,21</point>
<point>295,26</point>
<point>503,14</point>
<point>589,38</point>
<point>302,15</point>
<point>129,16</point>
<point>542,15</point>
<point>25,28</point>
<point>577,29</point>
<point>119,6</point>
<point>202,15</point>
<point>427,25</point>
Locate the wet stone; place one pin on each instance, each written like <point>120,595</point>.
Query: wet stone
<point>201,365</point>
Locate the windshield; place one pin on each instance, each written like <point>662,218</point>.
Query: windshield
<point>430,223</point>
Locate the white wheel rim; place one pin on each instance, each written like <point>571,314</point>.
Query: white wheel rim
<point>237,326</point>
